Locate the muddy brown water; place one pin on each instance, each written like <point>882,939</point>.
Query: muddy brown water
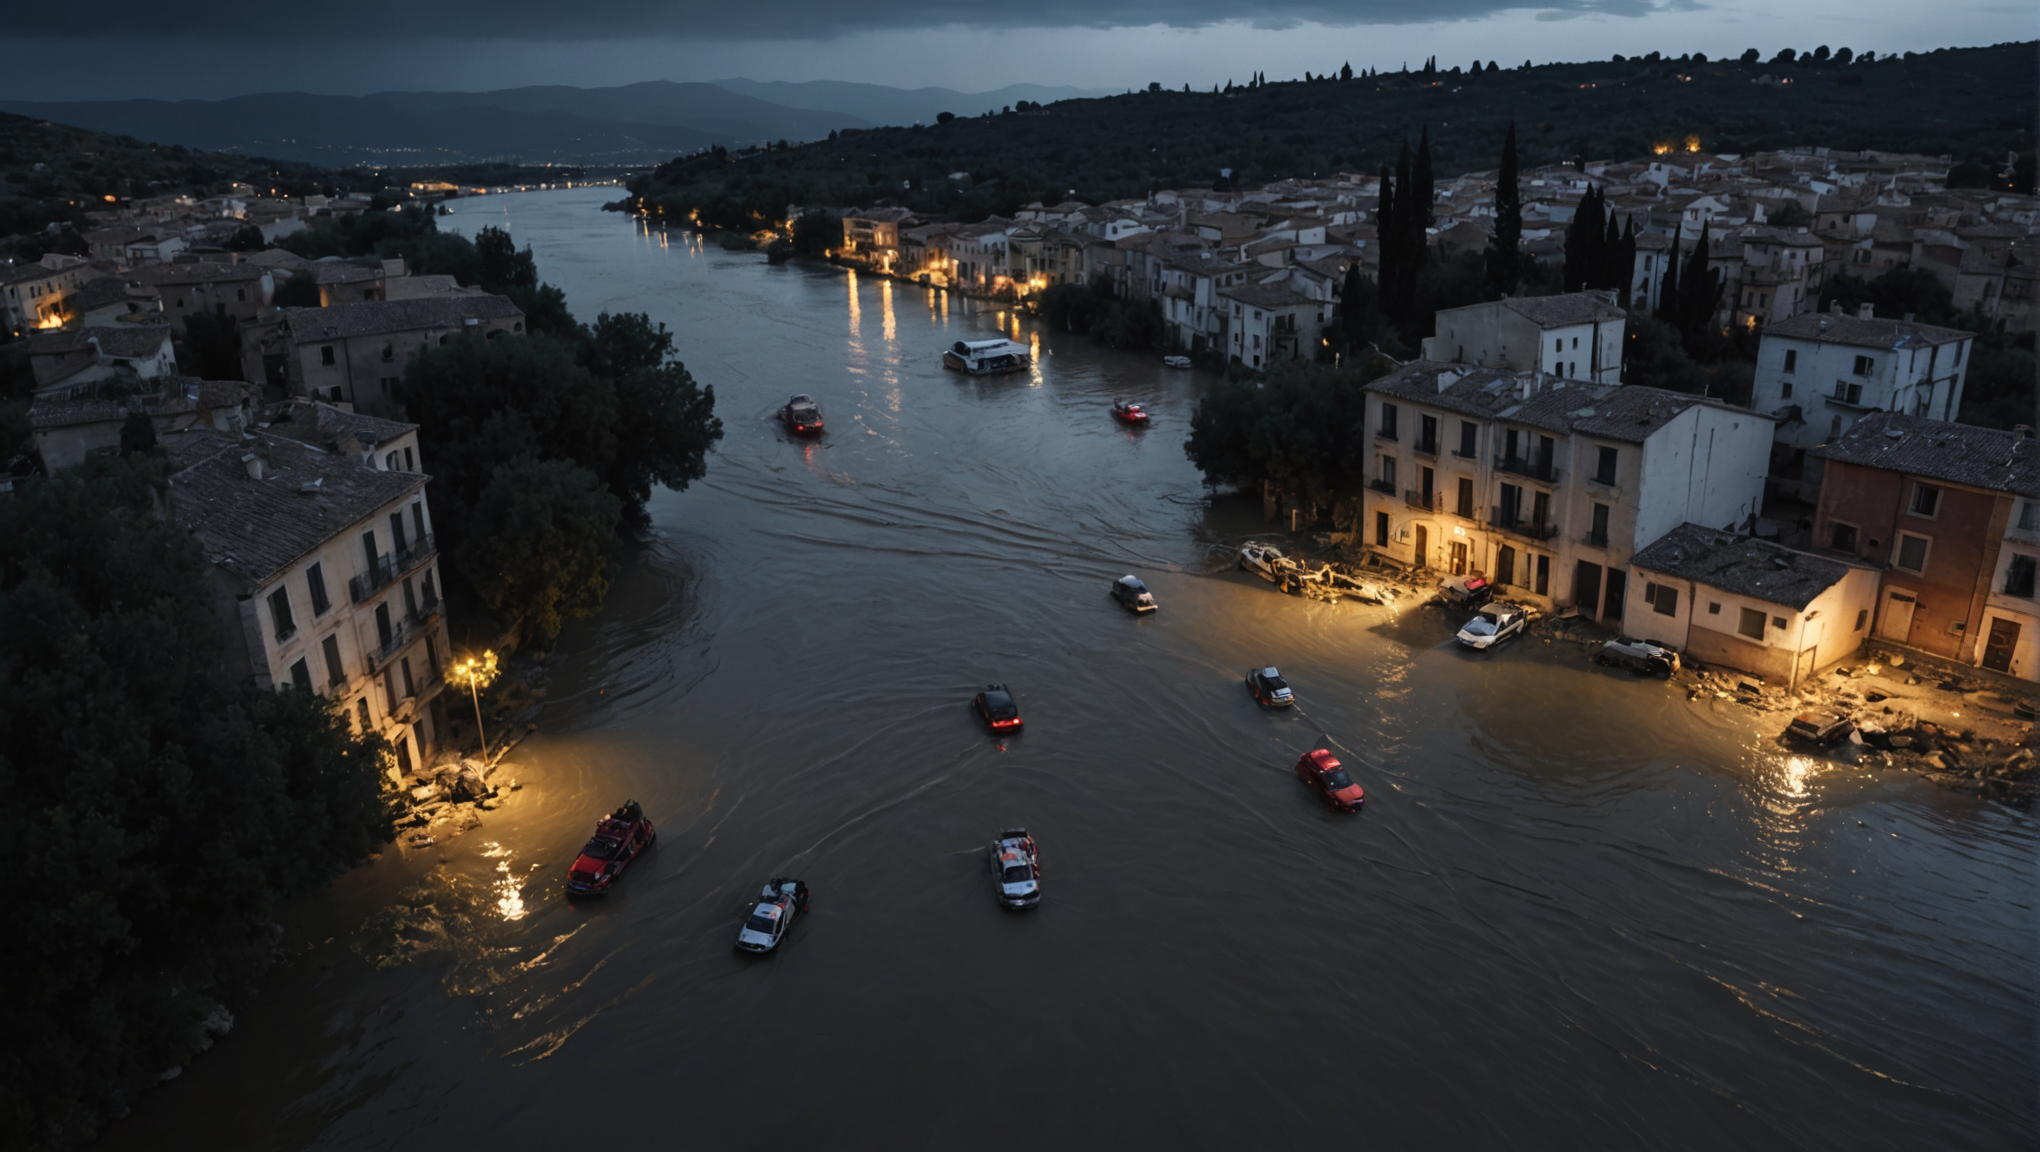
<point>1578,911</point>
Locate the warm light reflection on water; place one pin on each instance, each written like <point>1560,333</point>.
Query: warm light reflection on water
<point>508,888</point>
<point>885,302</point>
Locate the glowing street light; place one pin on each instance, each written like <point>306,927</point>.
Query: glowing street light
<point>477,673</point>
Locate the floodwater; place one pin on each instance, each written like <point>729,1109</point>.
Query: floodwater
<point>1578,912</point>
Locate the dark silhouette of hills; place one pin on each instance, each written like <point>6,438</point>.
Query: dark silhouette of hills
<point>900,106</point>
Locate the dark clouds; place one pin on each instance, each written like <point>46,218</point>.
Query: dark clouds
<point>385,20</point>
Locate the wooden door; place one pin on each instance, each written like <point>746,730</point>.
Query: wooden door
<point>1458,551</point>
<point>1896,623</point>
<point>1423,547</point>
<point>2000,644</point>
<point>1587,587</point>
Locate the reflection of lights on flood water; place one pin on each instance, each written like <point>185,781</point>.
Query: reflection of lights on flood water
<point>885,301</point>
<point>508,888</point>
<point>1794,776</point>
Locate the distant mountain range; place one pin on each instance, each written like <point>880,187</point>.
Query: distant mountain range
<point>635,123</point>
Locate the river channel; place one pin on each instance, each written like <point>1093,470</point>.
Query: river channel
<point>1578,912</point>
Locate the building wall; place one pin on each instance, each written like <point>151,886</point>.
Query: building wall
<point>243,300</point>
<point>365,369</point>
<point>1704,625</point>
<point>1898,381</point>
<point>2004,603</point>
<point>1964,540</point>
<point>1494,336</point>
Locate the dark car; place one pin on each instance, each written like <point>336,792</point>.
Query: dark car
<point>1133,595</point>
<point>996,708</point>
<point>1467,592</point>
<point>802,415</point>
<point>1819,728</point>
<point>1270,688</point>
<point>619,839</point>
<point>1322,771</point>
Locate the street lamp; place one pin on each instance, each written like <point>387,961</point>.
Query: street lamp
<point>477,672</point>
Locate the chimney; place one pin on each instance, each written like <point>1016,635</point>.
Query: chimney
<point>367,440</point>
<point>1865,311</point>
<point>253,464</point>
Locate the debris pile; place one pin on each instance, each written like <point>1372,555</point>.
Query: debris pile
<point>446,803</point>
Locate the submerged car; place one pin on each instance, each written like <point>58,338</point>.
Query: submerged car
<point>1133,595</point>
<point>1494,623</point>
<point>1322,771</point>
<point>1127,413</point>
<point>1819,729</point>
<point>1262,559</point>
<point>802,415</point>
<point>996,707</point>
<point>1646,656</point>
<point>1016,869</point>
<point>1270,688</point>
<point>620,838</point>
<point>766,924</point>
<point>1466,591</point>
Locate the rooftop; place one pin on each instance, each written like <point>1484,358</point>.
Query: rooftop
<point>1741,565</point>
<point>1875,332</point>
<point>1940,450</point>
<point>324,426</point>
<point>375,317</point>
<point>257,528</point>
<point>129,341</point>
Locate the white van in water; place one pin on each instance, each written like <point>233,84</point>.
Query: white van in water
<point>985,357</point>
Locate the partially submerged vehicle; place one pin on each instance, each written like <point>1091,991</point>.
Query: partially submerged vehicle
<point>802,415</point>
<point>996,707</point>
<point>619,839</point>
<point>1176,361</point>
<point>1016,869</point>
<point>1358,587</point>
<point>1470,591</point>
<point>1269,688</point>
<point>1262,559</point>
<point>1133,595</point>
<point>1819,729</point>
<point>1495,622</point>
<point>771,915</point>
<point>1127,413</point>
<point>1326,777</point>
<point>987,357</point>
<point>1646,656</point>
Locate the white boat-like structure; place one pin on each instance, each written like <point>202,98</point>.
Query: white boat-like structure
<point>986,357</point>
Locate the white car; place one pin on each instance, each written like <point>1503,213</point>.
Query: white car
<point>1016,869</point>
<point>1262,560</point>
<point>770,918</point>
<point>1496,622</point>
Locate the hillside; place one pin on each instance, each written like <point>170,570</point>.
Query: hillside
<point>880,104</point>
<point>1972,103</point>
<point>52,172</point>
<point>634,123</point>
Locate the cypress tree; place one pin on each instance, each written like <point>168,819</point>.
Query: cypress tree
<point>1668,287</point>
<point>1504,254</point>
<point>1386,241</point>
<point>1625,262</point>
<point>1423,188</point>
<point>1584,238</point>
<point>1700,290</point>
<point>1609,273</point>
<point>1408,219</point>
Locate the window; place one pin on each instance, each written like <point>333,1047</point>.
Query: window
<point>1604,466</point>
<point>1599,533</point>
<point>1847,393</point>
<point>1842,537</point>
<point>1558,346</point>
<point>397,531</point>
<point>2029,515</point>
<point>1662,598</point>
<point>410,686</point>
<point>1576,342</point>
<point>1792,360</point>
<point>335,674</point>
<point>279,614</point>
<point>1714,608</point>
<point>1388,471</point>
<point>1777,622</point>
<point>361,710</point>
<point>326,355</point>
<point>301,674</point>
<point>411,465</point>
<point>1427,434</point>
<point>1381,536</point>
<point>1926,500</point>
<point>389,353</point>
<point>1752,624</point>
<point>1469,434</point>
<point>1388,415</point>
<point>240,293</point>
<point>1785,390</point>
<point>389,687</point>
<point>390,462</point>
<point>315,580</point>
<point>1466,497</point>
<point>1862,618</point>
<point>2019,576</point>
<point>1863,365</point>
<point>418,518</point>
<point>1912,553</point>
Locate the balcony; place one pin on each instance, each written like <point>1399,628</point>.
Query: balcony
<point>1507,520</point>
<point>1428,501</point>
<point>1387,486</point>
<point>1526,466</point>
<point>388,568</point>
<point>1851,399</point>
<point>1425,447</point>
<point>1463,454</point>
<point>1387,434</point>
<point>1596,539</point>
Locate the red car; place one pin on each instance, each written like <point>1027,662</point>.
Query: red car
<point>619,839</point>
<point>1132,414</point>
<point>1320,770</point>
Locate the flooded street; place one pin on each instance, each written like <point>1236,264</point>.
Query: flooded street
<point>1578,911</point>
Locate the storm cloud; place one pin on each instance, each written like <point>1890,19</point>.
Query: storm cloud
<point>385,20</point>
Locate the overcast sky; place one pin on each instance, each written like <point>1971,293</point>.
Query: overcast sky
<point>125,48</point>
